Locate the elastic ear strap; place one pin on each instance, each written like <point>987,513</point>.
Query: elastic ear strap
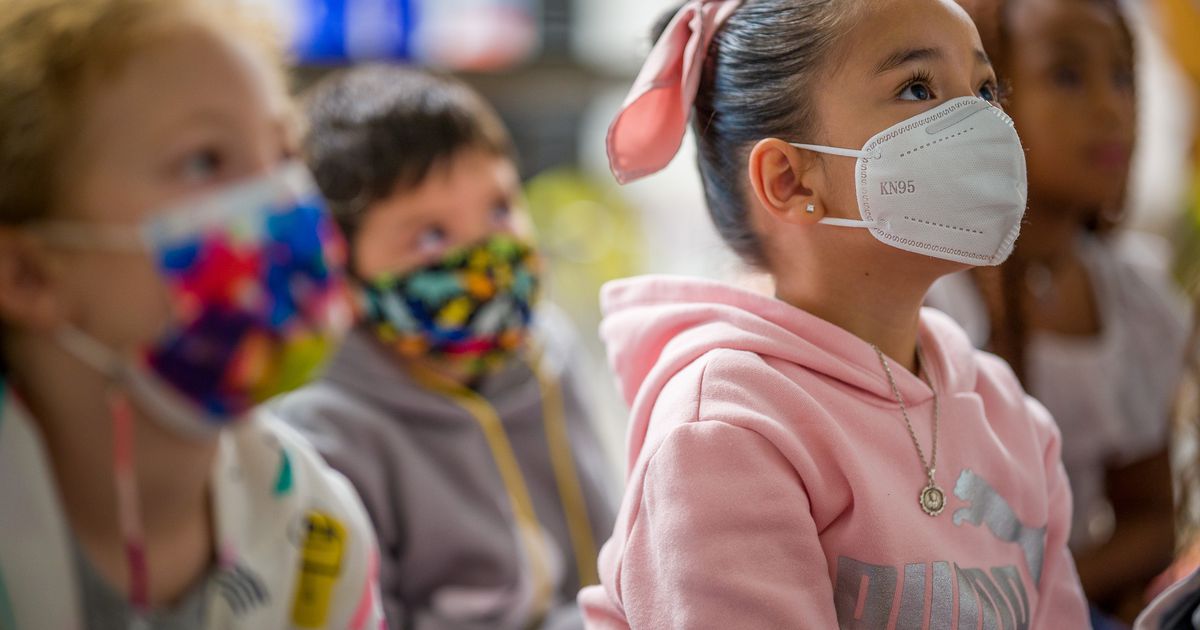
<point>89,351</point>
<point>851,153</point>
<point>93,236</point>
<point>107,362</point>
<point>850,223</point>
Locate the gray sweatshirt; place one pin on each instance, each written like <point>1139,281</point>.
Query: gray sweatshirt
<point>485,514</point>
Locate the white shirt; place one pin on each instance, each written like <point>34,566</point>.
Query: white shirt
<point>1111,394</point>
<point>295,546</point>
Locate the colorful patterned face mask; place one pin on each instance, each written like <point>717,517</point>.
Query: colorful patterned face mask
<point>258,297</point>
<point>473,306</point>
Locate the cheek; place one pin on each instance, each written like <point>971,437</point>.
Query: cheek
<point>1058,161</point>
<point>123,301</point>
<point>1050,134</point>
<point>841,193</point>
<point>374,254</point>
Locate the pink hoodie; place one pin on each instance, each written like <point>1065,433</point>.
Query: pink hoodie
<point>773,484</point>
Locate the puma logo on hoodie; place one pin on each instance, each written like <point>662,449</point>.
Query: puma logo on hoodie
<point>987,507</point>
<point>996,598</point>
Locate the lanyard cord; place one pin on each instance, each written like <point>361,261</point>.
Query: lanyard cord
<point>129,509</point>
<point>510,474</point>
<point>570,490</point>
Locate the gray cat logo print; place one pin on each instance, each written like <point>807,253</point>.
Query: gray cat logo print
<point>988,508</point>
<point>994,599</point>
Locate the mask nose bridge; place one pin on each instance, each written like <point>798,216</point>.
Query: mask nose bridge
<point>957,117</point>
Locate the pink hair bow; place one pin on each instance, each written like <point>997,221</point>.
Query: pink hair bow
<point>649,129</point>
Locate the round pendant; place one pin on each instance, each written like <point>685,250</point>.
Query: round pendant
<point>933,500</point>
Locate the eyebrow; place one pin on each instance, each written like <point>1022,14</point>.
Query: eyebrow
<point>910,55</point>
<point>1073,50</point>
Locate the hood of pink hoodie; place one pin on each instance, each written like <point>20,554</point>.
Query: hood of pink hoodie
<point>655,326</point>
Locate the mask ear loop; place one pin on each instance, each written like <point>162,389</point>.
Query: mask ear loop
<point>850,153</point>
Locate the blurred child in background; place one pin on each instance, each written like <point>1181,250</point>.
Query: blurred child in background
<point>1085,312</point>
<point>163,269</point>
<point>452,407</point>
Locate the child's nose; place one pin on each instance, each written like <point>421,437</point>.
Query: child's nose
<point>264,158</point>
<point>1109,104</point>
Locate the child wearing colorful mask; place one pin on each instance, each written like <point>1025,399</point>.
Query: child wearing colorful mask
<point>832,456</point>
<point>162,270</point>
<point>1086,313</point>
<point>451,407</point>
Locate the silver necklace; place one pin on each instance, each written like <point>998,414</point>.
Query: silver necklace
<point>932,498</point>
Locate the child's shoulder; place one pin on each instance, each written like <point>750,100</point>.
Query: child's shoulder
<point>988,376</point>
<point>968,367</point>
<point>328,410</point>
<point>746,367</point>
<point>1008,403</point>
<point>268,454</point>
<point>269,474</point>
<point>556,336</point>
<point>736,384</point>
<point>995,375</point>
<point>1137,267</point>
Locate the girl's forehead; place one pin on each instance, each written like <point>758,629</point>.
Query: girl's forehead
<point>1033,14</point>
<point>898,25</point>
<point>1074,26</point>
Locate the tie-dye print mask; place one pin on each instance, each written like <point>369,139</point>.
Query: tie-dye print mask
<point>255,278</point>
<point>473,307</point>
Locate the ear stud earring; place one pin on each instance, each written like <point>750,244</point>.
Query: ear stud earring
<point>810,209</point>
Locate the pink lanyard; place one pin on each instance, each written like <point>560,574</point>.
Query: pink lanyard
<point>129,509</point>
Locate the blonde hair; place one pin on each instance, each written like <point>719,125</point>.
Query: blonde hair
<point>54,52</point>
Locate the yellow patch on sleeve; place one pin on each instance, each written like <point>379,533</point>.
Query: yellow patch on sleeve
<point>320,566</point>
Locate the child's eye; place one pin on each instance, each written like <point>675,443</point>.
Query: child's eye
<point>918,90</point>
<point>1123,79</point>
<point>989,92</point>
<point>501,214</point>
<point>431,240</point>
<point>1067,77</point>
<point>201,166</point>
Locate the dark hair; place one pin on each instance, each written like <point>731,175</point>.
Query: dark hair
<point>378,130</point>
<point>758,74</point>
<point>1003,287</point>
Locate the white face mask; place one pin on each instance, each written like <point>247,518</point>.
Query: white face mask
<point>948,183</point>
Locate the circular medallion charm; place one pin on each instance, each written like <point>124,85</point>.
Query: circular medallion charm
<point>933,500</point>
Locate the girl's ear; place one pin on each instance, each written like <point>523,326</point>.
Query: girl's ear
<point>779,175</point>
<point>27,296</point>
